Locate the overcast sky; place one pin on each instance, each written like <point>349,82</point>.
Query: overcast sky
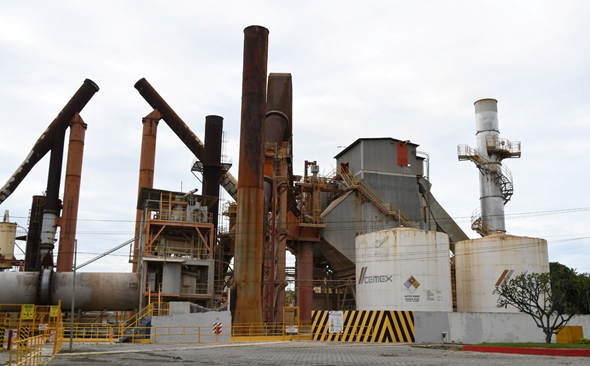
<point>410,70</point>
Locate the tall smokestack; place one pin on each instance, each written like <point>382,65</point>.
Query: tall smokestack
<point>250,216</point>
<point>495,180</point>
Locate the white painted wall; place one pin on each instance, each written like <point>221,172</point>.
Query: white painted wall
<point>193,327</point>
<point>474,328</point>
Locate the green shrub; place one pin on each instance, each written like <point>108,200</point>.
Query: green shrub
<point>584,341</point>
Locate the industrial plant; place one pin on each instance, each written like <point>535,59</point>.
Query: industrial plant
<point>369,238</point>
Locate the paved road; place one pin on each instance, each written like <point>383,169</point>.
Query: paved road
<point>291,353</point>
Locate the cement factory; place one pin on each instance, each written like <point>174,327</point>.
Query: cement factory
<point>369,237</point>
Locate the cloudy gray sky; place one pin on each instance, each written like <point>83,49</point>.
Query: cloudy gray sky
<point>410,70</point>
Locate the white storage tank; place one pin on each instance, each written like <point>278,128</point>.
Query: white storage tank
<point>403,269</point>
<point>482,264</point>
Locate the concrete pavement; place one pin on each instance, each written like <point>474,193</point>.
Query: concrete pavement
<point>291,353</point>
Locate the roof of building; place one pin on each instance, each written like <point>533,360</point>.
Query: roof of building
<point>371,139</point>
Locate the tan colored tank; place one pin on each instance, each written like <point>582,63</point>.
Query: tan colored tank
<point>482,264</point>
<point>7,237</point>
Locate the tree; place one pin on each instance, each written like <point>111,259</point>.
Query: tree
<point>577,285</point>
<point>551,299</point>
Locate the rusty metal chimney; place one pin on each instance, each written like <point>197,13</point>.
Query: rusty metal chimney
<point>147,162</point>
<point>69,219</point>
<point>212,169</point>
<point>250,216</point>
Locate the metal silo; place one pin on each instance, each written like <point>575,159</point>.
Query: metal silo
<point>403,269</point>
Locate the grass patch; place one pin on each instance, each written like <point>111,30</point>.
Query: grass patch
<point>538,345</point>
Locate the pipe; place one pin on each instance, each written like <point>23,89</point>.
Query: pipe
<point>34,234</point>
<point>52,202</point>
<point>44,143</point>
<point>147,163</point>
<point>305,280</point>
<point>212,162</point>
<point>277,131</point>
<point>279,104</point>
<point>181,130</point>
<point>69,219</point>
<point>249,224</point>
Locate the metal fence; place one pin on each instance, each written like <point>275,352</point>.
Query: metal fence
<point>29,351</point>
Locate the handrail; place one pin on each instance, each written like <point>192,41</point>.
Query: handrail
<point>370,193</point>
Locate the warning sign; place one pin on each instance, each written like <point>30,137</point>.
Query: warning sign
<point>27,312</point>
<point>336,322</point>
<point>217,327</point>
<point>54,311</point>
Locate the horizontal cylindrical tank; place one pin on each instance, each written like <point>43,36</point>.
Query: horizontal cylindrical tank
<point>482,264</point>
<point>403,269</point>
<point>7,236</point>
<point>19,287</point>
<point>94,291</point>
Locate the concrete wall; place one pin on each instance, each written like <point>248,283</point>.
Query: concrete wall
<point>196,327</point>
<point>474,328</point>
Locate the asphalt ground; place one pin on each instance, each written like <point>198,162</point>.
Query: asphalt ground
<point>289,353</point>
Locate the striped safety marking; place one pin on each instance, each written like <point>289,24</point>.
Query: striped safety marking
<point>2,330</point>
<point>24,332</point>
<point>366,326</point>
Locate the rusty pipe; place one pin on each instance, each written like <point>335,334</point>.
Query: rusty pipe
<point>249,224</point>
<point>69,219</point>
<point>194,144</point>
<point>147,163</point>
<point>280,103</point>
<point>305,280</point>
<point>44,143</point>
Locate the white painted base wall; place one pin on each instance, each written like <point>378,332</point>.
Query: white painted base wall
<point>195,327</point>
<point>474,328</point>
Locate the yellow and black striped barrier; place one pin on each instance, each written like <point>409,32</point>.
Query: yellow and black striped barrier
<point>24,332</point>
<point>363,326</point>
<point>2,330</point>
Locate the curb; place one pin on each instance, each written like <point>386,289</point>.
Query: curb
<point>565,352</point>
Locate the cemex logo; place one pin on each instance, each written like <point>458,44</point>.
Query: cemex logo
<point>363,278</point>
<point>504,277</point>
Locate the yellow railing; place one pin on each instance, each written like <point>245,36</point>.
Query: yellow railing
<point>312,220</point>
<point>90,332</point>
<point>135,320</point>
<point>176,250</point>
<point>28,351</point>
<point>220,333</point>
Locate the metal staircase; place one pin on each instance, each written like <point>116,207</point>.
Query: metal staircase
<point>137,327</point>
<point>496,171</point>
<point>386,208</point>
